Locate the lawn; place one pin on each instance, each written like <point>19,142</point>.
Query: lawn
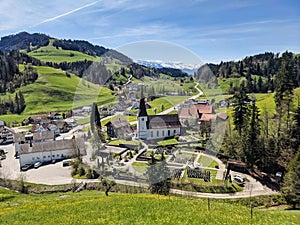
<point>93,207</point>
<point>54,91</point>
<point>168,142</point>
<point>52,54</point>
<point>161,104</point>
<point>207,162</point>
<point>140,167</point>
<point>123,142</point>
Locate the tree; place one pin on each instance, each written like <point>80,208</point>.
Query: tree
<point>252,148</point>
<point>95,118</point>
<point>108,184</point>
<point>291,184</point>
<point>240,114</point>
<point>17,104</point>
<point>159,176</point>
<point>22,101</point>
<point>284,84</point>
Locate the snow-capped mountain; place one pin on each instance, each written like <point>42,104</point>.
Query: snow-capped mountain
<point>187,68</point>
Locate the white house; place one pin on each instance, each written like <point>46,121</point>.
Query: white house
<point>6,134</point>
<point>47,151</point>
<point>156,126</point>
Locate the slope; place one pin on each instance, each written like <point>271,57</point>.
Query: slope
<point>92,207</point>
<point>54,91</point>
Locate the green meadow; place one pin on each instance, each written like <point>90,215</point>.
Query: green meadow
<point>54,91</point>
<point>93,207</point>
<point>57,55</point>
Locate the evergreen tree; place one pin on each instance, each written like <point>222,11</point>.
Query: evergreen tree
<point>291,184</point>
<point>22,101</point>
<point>252,148</point>
<point>241,110</point>
<point>17,104</point>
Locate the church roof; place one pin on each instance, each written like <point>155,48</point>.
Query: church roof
<point>163,121</point>
<point>143,110</point>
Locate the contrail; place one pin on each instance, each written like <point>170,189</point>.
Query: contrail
<point>65,14</point>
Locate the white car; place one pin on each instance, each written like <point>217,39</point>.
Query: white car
<point>37,165</point>
<point>4,150</point>
<point>238,179</point>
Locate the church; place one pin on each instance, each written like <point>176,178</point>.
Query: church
<point>156,126</point>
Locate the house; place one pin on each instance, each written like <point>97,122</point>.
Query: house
<point>30,138</point>
<point>119,128</point>
<point>45,152</point>
<point>38,119</point>
<point>54,116</point>
<point>62,126</point>
<point>6,134</point>
<point>156,126</point>
<point>189,116</point>
<point>86,109</point>
<point>71,122</point>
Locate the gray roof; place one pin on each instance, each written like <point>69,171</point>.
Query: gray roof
<point>53,146</point>
<point>19,137</point>
<point>43,135</point>
<point>163,121</point>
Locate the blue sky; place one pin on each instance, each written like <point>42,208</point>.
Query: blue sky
<point>214,30</point>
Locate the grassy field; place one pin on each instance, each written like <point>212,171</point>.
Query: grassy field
<point>140,167</point>
<point>207,162</point>
<point>93,207</point>
<point>165,103</point>
<point>54,91</point>
<point>52,54</point>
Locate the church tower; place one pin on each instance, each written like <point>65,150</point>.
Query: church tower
<point>142,129</point>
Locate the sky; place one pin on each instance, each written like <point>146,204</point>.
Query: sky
<point>213,30</point>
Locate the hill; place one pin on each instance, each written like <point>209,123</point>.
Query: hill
<point>55,91</point>
<point>31,42</point>
<point>258,71</point>
<point>93,207</point>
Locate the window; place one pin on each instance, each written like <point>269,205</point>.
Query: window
<point>33,158</point>
<point>142,119</point>
<point>157,133</point>
<point>49,156</point>
<point>174,132</point>
<point>169,132</point>
<point>151,133</point>
<point>44,156</point>
<point>163,133</point>
<point>53,156</point>
<point>37,157</point>
<point>57,155</point>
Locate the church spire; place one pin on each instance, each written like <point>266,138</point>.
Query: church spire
<point>143,110</point>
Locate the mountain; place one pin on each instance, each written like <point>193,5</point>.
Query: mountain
<point>31,42</point>
<point>184,67</point>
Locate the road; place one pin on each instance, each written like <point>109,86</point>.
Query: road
<point>167,111</point>
<point>54,174</point>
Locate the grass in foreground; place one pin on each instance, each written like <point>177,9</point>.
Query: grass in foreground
<point>92,207</point>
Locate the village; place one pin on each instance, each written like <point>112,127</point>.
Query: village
<point>45,151</point>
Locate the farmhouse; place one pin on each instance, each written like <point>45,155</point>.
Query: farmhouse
<point>46,152</point>
<point>6,134</point>
<point>156,126</point>
<point>30,138</point>
<point>119,128</point>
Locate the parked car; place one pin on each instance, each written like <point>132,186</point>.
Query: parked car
<point>37,165</point>
<point>26,167</point>
<point>239,179</point>
<point>67,162</point>
<point>4,150</point>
